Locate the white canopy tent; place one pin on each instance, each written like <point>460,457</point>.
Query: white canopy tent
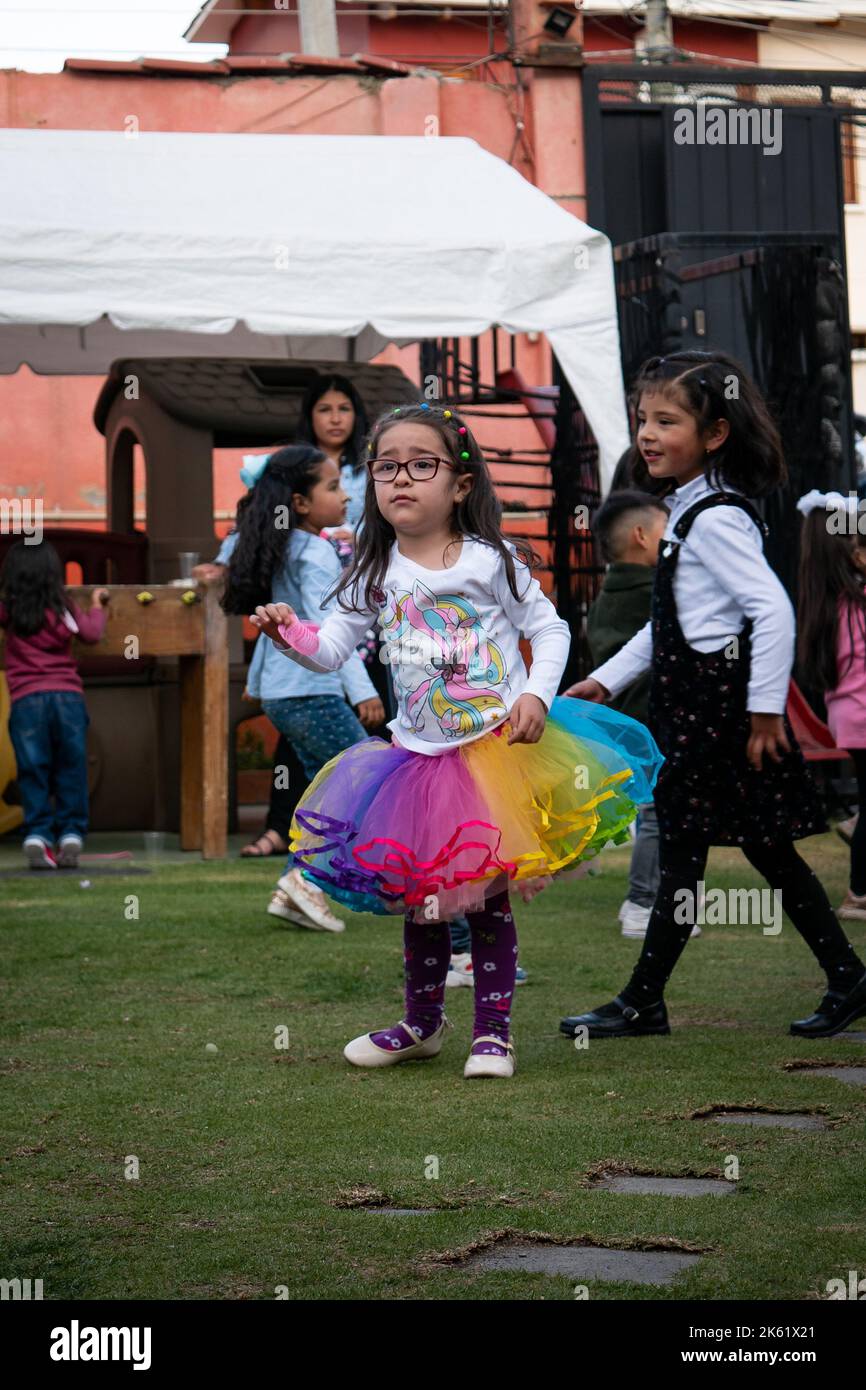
<point>292,246</point>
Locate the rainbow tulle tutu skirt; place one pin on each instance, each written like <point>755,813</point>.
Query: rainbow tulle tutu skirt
<point>385,830</point>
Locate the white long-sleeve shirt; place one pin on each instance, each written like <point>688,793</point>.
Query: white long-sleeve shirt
<point>721,579</point>
<point>451,638</point>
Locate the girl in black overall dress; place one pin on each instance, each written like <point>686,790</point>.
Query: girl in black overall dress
<point>716,788</point>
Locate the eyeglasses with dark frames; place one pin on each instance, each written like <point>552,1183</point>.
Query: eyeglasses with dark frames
<point>420,470</point>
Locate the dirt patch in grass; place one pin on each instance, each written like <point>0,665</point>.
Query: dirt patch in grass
<point>370,1198</point>
<point>755,1108</point>
<point>802,1064</point>
<point>349,1197</point>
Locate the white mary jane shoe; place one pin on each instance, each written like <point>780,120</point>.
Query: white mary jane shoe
<point>363,1052</point>
<point>489,1063</point>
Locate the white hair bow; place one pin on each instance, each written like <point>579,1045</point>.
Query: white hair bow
<point>829,501</point>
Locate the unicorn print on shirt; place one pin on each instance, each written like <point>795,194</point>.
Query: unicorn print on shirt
<point>452,675</point>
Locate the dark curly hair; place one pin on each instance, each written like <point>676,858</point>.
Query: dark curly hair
<point>31,585</point>
<point>262,536</point>
<point>714,386</point>
<point>353,449</point>
<point>479,514</point>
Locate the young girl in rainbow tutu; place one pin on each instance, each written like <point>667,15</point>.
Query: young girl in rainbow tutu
<point>490,779</point>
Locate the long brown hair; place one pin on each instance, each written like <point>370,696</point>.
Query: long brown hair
<point>478,514</point>
<point>827,574</point>
<point>714,386</point>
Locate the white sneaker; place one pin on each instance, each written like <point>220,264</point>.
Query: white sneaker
<point>635,920</point>
<point>363,1052</point>
<point>69,849</point>
<point>310,901</point>
<point>37,853</point>
<point>490,1064</point>
<point>281,905</point>
<point>460,971</point>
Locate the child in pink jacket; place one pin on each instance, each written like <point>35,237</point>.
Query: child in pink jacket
<point>832,643</point>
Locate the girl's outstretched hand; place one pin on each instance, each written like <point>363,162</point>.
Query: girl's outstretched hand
<point>527,719</point>
<point>768,736</point>
<point>588,690</point>
<point>270,617</point>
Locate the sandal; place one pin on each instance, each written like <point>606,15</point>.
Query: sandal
<point>264,846</point>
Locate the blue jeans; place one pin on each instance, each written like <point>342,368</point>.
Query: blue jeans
<point>643,874</point>
<point>49,735</point>
<point>317,726</point>
<point>461,937</point>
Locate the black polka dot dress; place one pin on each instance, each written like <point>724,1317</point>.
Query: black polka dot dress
<point>697,710</point>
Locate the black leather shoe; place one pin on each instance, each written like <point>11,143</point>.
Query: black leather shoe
<point>619,1020</point>
<point>834,1013</point>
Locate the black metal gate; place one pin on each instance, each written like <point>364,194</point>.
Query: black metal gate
<point>721,245</point>
<point>644,178</point>
<point>781,307</point>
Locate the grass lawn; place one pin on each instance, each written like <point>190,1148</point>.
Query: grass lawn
<point>245,1154</point>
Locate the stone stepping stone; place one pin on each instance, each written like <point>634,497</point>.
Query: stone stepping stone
<point>586,1262</point>
<point>851,1037</point>
<point>852,1076</point>
<point>758,1117</point>
<point>398,1211</point>
<point>652,1185</point>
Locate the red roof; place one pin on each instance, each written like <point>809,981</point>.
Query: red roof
<point>257,65</point>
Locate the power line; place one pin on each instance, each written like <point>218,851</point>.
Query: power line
<point>267,14</point>
<point>762,29</point>
<point>477,11</point>
<point>768,27</point>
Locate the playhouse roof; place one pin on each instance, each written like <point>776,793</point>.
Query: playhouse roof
<point>116,244</point>
<point>244,401</point>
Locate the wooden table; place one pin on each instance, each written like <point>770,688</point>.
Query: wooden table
<point>197,634</point>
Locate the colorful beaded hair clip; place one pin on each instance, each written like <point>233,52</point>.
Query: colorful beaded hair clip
<point>446,415</point>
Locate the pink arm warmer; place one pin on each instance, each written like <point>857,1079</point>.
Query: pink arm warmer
<point>301,637</point>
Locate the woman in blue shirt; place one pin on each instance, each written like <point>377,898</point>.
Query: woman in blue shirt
<point>334,420</point>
